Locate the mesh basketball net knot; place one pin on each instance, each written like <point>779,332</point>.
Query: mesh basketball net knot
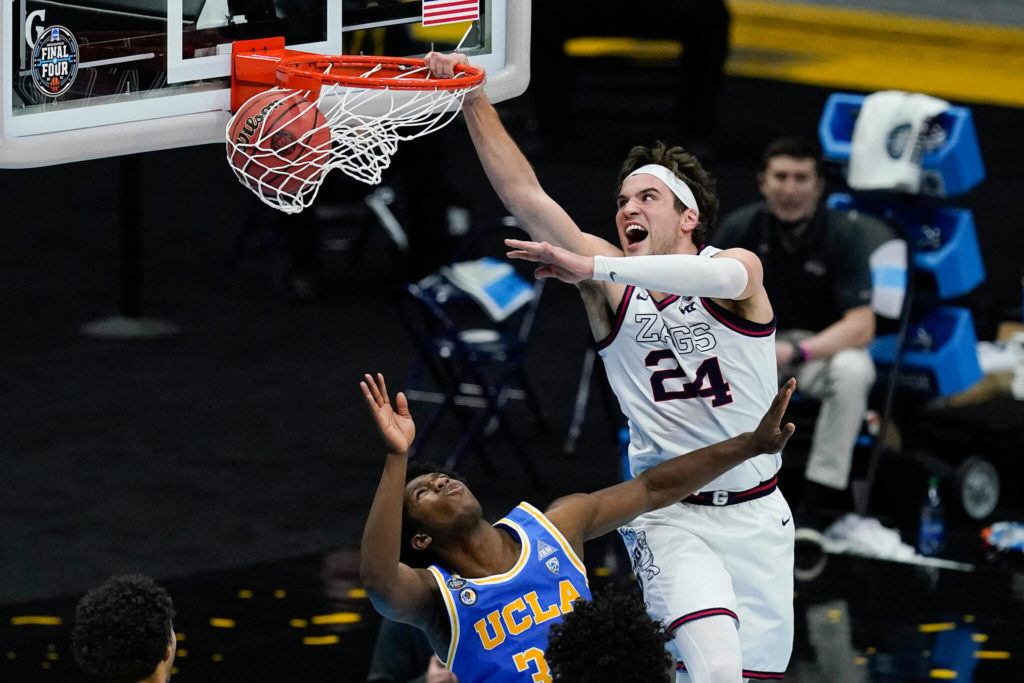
<point>284,160</point>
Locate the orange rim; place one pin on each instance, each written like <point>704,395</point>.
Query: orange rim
<point>348,70</point>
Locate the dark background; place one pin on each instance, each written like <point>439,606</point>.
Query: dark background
<point>244,438</point>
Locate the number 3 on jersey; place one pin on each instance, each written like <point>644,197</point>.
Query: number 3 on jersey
<point>707,373</point>
<point>535,656</point>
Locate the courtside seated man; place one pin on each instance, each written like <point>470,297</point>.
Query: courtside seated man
<point>818,266</point>
<point>124,631</point>
<point>492,592</point>
<point>687,335</point>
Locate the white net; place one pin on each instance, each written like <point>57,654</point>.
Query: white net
<point>285,158</point>
<point>278,146</point>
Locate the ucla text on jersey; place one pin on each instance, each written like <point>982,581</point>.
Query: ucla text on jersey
<point>500,624</point>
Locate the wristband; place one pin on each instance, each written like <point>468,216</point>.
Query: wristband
<point>800,353</point>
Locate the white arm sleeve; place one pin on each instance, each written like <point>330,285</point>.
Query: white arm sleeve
<point>683,274</point>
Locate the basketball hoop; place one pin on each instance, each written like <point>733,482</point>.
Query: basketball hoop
<point>358,109</point>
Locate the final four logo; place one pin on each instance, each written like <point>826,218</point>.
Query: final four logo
<point>55,61</point>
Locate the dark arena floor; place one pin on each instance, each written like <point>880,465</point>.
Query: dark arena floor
<point>234,462</point>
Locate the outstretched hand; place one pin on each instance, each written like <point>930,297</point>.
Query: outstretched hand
<point>395,424</point>
<point>565,265</point>
<point>771,435</point>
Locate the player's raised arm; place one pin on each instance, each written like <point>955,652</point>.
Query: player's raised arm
<point>731,275</point>
<point>396,590</point>
<point>583,516</point>
<point>673,273</point>
<point>511,175</point>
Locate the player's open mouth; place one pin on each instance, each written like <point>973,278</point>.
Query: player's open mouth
<point>452,487</point>
<point>635,234</point>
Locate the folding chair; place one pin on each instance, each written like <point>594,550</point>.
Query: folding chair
<point>472,361</point>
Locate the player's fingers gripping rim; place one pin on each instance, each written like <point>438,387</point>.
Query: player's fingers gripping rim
<point>443,66</point>
<point>433,62</point>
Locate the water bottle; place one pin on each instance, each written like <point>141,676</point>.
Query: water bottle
<point>931,535</point>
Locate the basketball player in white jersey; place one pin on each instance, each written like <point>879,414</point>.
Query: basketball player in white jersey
<point>687,335</point>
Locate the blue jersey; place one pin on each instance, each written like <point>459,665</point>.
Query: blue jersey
<point>499,624</point>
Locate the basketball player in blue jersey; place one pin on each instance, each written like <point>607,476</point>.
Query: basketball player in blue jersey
<point>687,334</point>
<point>493,592</point>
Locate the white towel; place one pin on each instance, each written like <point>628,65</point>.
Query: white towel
<point>885,152</point>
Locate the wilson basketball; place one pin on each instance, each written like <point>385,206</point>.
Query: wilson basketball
<point>278,143</point>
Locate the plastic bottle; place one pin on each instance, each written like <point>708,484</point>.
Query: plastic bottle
<point>931,535</point>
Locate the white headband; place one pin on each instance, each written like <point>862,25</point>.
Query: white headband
<point>678,187</point>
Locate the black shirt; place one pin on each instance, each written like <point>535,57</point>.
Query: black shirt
<point>401,654</point>
<point>824,273</point>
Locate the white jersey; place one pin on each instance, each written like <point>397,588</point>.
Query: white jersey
<point>688,374</point>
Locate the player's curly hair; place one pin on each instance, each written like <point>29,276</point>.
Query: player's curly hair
<point>610,639</point>
<point>122,629</point>
<point>690,170</point>
<point>410,525</point>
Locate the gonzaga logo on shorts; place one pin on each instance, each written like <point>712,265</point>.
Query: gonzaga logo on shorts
<point>54,61</point>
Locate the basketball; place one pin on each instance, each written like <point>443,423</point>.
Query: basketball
<point>278,143</point>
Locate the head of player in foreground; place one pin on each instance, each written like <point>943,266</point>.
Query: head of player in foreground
<point>124,631</point>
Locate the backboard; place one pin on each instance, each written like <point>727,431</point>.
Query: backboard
<point>85,79</point>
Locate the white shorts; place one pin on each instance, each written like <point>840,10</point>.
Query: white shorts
<point>695,561</point>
